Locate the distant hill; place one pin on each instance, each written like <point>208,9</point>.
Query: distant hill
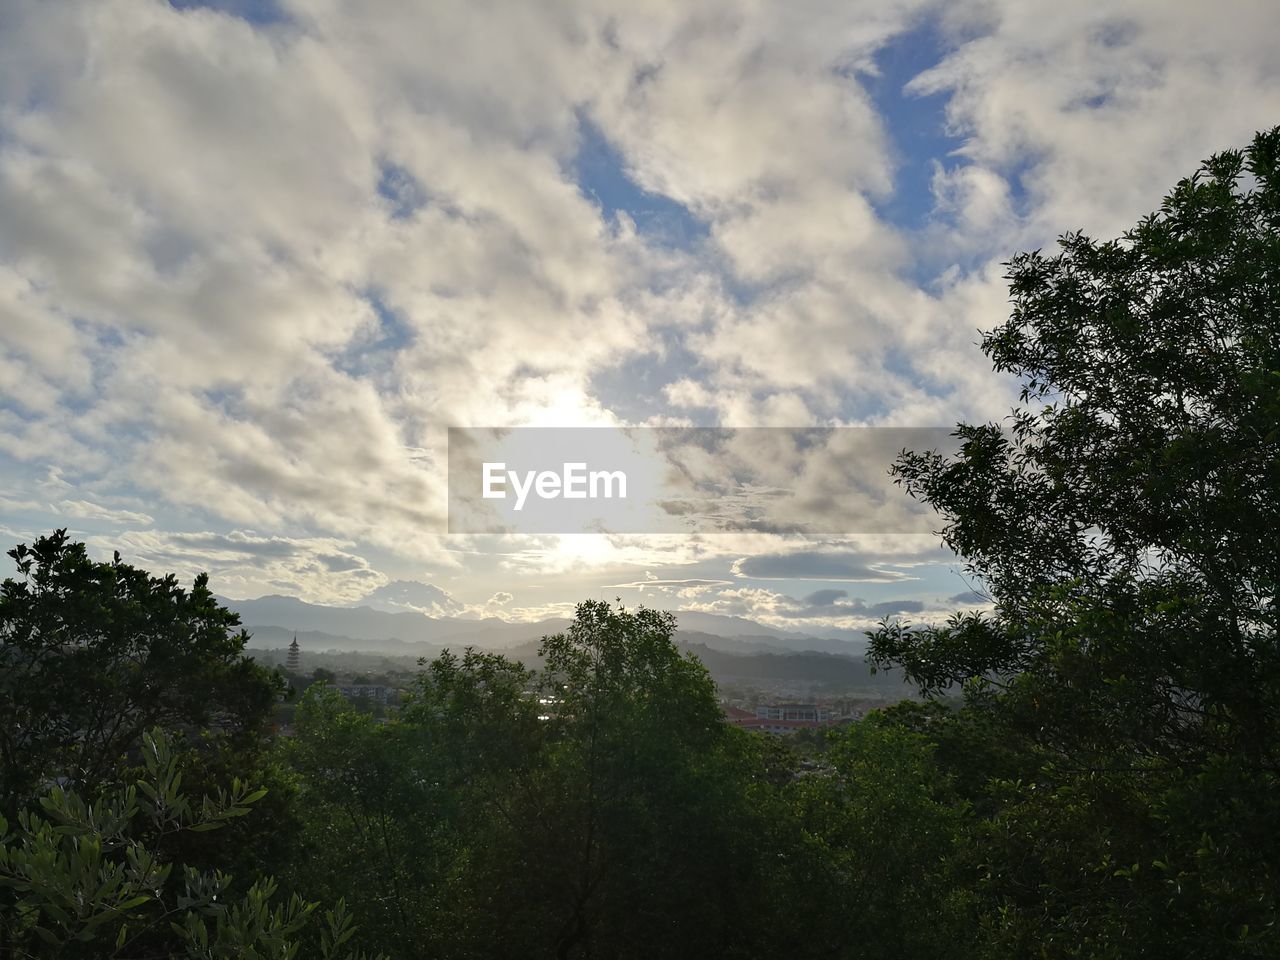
<point>746,661</point>
<point>372,626</point>
<point>832,671</point>
<point>276,638</point>
<point>828,670</point>
<point>368,629</point>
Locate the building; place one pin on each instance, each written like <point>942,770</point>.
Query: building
<point>294,661</point>
<point>781,719</point>
<point>374,693</point>
<point>780,727</point>
<point>794,711</point>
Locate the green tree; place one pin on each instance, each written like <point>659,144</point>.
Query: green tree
<point>378,823</point>
<point>638,753</point>
<point>94,653</point>
<point>597,807</point>
<point>91,880</point>
<point>1135,495</point>
<point>1124,521</point>
<point>884,831</point>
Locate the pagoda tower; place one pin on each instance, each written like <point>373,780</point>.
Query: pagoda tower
<point>294,662</point>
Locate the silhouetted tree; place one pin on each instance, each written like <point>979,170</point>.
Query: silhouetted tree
<point>94,653</point>
<point>1125,522</point>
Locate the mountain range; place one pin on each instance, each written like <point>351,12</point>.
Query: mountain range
<point>365,628</point>
<point>735,650</point>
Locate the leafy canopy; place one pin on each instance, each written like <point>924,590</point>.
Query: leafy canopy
<point>94,653</point>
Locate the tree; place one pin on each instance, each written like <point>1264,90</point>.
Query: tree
<point>94,653</point>
<point>1140,480</point>
<point>379,825</point>
<point>1124,522</point>
<point>597,807</point>
<point>887,827</point>
<point>636,725</point>
<point>90,879</point>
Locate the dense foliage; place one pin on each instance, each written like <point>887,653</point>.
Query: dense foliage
<point>92,879</point>
<point>1125,522</point>
<point>1108,786</point>
<point>93,654</point>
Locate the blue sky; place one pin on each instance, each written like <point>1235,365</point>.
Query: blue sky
<point>601,174</point>
<point>258,257</point>
<point>916,122</point>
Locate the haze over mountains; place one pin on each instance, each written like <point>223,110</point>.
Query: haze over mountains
<point>274,618</point>
<point>735,650</point>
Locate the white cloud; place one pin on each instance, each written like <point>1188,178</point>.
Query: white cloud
<point>400,596</point>
<point>86,510</point>
<point>207,307</point>
<point>244,564</point>
<point>1101,108</point>
<point>818,611</point>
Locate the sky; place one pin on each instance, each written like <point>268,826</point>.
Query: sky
<point>258,256</point>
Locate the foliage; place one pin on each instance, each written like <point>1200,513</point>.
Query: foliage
<point>1127,513</point>
<point>374,826</point>
<point>92,654</point>
<point>886,825</point>
<point>591,806</point>
<point>641,793</point>
<point>1124,522</point>
<point>89,879</point>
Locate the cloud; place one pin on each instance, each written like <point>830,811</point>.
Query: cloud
<point>412,595</point>
<point>1088,110</point>
<point>814,565</point>
<point>822,610</point>
<point>94,511</point>
<point>251,270</point>
<point>823,604</point>
<point>211,276</point>
<point>680,589</point>
<point>657,582</point>
<point>245,564</point>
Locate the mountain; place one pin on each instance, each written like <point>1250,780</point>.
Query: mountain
<point>830,670</point>
<point>732,663</point>
<point>736,651</point>
<point>317,641</point>
<point>372,627</point>
<point>368,629</point>
<point>765,637</point>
